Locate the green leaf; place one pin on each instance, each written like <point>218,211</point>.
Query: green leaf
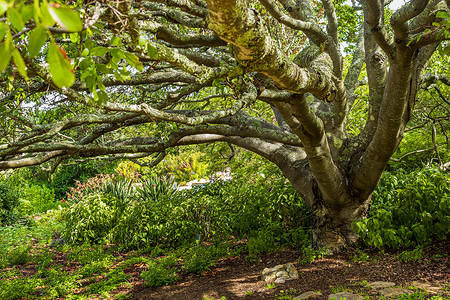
<point>133,60</point>
<point>3,28</point>
<point>47,19</point>
<point>20,64</point>
<point>38,37</point>
<point>443,15</point>
<point>27,12</point>
<point>3,7</point>
<point>60,67</point>
<point>75,38</point>
<point>104,69</point>
<point>65,17</point>
<point>5,56</point>
<point>115,41</point>
<point>152,52</point>
<point>98,51</point>
<point>16,19</point>
<point>85,52</point>
<point>117,53</point>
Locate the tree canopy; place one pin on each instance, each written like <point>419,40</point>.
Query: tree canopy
<point>131,79</point>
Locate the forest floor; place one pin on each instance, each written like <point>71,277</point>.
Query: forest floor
<point>239,277</point>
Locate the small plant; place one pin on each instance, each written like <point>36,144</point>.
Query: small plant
<point>19,288</point>
<point>410,256</point>
<point>310,255</point>
<point>338,289</point>
<point>287,295</point>
<point>199,259</point>
<point>270,286</point>
<point>249,293</point>
<point>114,278</point>
<point>360,257</point>
<point>19,255</point>
<point>414,296</point>
<point>58,283</point>
<point>96,267</point>
<point>160,273</point>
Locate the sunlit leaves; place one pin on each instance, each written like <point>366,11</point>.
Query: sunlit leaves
<point>3,28</point>
<point>60,66</point>
<point>133,60</point>
<point>46,18</point>
<point>38,37</point>
<point>65,17</point>
<point>5,56</point>
<point>16,19</point>
<point>3,7</point>
<point>18,60</point>
<point>152,52</point>
<point>98,51</point>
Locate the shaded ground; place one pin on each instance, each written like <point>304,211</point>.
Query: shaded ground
<point>240,279</point>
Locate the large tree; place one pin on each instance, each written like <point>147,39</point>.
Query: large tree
<point>130,79</point>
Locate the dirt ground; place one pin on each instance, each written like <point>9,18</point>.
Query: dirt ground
<point>240,279</point>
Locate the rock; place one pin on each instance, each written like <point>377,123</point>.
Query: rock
<point>345,295</point>
<point>279,273</point>
<point>392,292</point>
<point>292,271</point>
<point>282,274</point>
<point>270,277</point>
<point>426,287</point>
<point>280,280</point>
<point>380,285</point>
<point>308,295</point>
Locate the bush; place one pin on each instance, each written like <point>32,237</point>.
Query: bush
<point>92,219</point>
<point>408,209</point>
<point>9,202</point>
<point>67,175</point>
<point>36,199</point>
<point>155,214</point>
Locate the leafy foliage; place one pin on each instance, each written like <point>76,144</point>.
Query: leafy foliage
<point>36,198</point>
<point>9,202</point>
<point>92,219</point>
<point>160,272</point>
<point>408,209</point>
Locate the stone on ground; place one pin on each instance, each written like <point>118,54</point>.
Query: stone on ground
<point>392,292</point>
<point>426,287</point>
<point>308,295</point>
<point>380,285</point>
<point>346,295</point>
<point>279,273</point>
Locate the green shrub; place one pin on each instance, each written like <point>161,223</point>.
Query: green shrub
<point>9,202</point>
<point>160,273</point>
<point>158,215</point>
<point>66,175</point>
<point>92,219</point>
<point>408,209</point>
<point>156,188</point>
<point>36,199</point>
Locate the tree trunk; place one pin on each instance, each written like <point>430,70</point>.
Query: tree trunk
<point>332,226</point>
